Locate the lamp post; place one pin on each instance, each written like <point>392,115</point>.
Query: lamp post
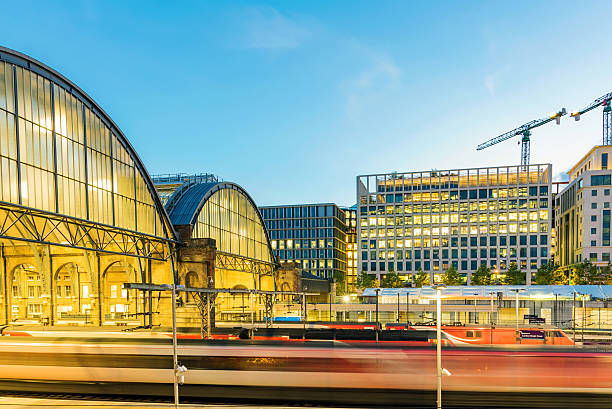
<point>438,288</point>
<point>377,290</point>
<point>491,315</point>
<point>517,314</point>
<point>398,306</point>
<point>407,307</point>
<point>574,318</point>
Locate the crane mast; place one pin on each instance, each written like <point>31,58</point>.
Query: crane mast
<point>525,131</point>
<point>607,116</point>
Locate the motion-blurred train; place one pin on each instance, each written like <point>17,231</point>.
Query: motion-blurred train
<point>403,334</point>
<point>319,371</point>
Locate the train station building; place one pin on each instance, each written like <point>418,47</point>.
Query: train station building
<point>80,216</point>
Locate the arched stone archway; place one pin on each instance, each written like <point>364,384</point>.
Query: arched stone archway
<point>118,305</point>
<point>73,297</point>
<point>26,296</point>
<point>192,280</point>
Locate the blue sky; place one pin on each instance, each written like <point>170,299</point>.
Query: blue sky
<point>292,100</point>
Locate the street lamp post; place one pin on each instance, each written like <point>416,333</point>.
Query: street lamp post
<point>517,315</point>
<point>574,318</point>
<point>438,289</point>
<point>407,307</point>
<point>398,307</point>
<point>376,328</point>
<point>491,316</point>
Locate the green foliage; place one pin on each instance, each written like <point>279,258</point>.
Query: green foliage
<point>421,278</point>
<point>340,278</point>
<point>365,280</point>
<point>514,276</point>
<point>586,273</point>
<point>391,280</point>
<point>451,277</point>
<point>482,276</point>
<point>549,273</point>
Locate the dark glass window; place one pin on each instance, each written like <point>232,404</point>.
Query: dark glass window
<point>600,180</point>
<point>533,239</point>
<point>533,191</point>
<point>533,252</point>
<point>427,265</point>
<point>473,194</point>
<point>474,265</point>
<point>463,194</point>
<point>503,241</point>
<point>483,253</point>
<point>473,241</point>
<point>483,241</point>
<point>464,265</point>
<point>543,190</point>
<point>482,193</point>
<point>454,241</point>
<point>493,241</point>
<point>604,161</point>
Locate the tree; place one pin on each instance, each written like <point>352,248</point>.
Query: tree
<point>514,276</point>
<point>421,278</point>
<point>549,273</point>
<point>340,279</point>
<point>391,280</point>
<point>482,276</point>
<point>587,273</point>
<point>452,277</point>
<point>365,280</point>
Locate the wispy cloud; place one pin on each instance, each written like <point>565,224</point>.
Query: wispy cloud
<point>379,74</point>
<point>266,28</point>
<point>492,81</point>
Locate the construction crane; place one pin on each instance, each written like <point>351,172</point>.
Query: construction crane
<point>607,116</point>
<point>524,130</point>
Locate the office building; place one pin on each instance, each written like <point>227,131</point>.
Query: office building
<point>432,220</point>
<point>350,214</point>
<point>312,235</point>
<point>582,211</point>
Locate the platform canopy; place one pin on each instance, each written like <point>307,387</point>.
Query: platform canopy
<point>532,292</point>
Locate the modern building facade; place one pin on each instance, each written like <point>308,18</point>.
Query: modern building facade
<point>312,235</point>
<point>350,214</point>
<point>432,220</point>
<point>582,211</point>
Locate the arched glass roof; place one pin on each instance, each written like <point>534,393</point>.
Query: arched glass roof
<point>225,212</point>
<point>61,153</point>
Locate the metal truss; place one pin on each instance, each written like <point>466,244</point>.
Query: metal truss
<point>35,226</point>
<point>206,305</point>
<point>238,263</point>
<point>268,301</point>
<point>205,300</point>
